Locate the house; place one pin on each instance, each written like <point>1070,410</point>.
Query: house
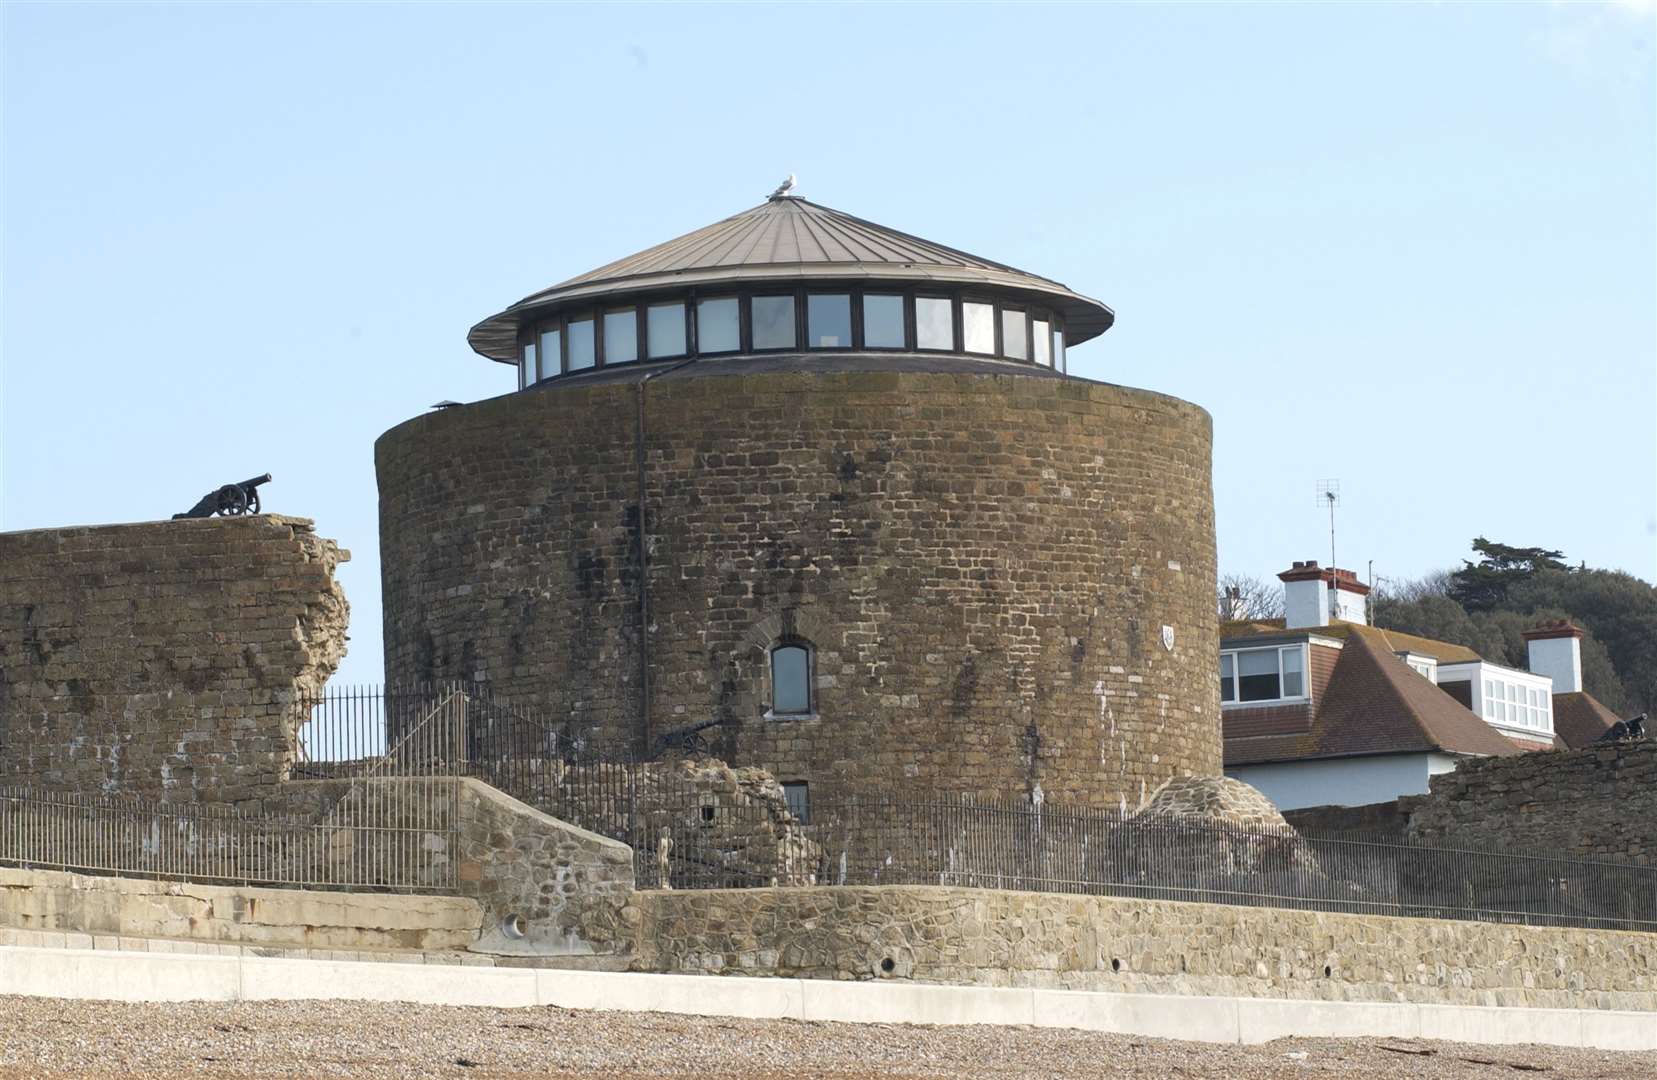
<point>1320,708</point>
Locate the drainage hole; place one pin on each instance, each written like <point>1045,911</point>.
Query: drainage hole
<point>888,965</point>
<point>513,926</point>
<point>1115,964</point>
<point>1327,971</point>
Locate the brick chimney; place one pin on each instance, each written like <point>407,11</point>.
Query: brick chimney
<point>1315,596</point>
<point>1556,651</point>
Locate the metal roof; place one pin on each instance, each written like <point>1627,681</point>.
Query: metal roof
<point>787,238</point>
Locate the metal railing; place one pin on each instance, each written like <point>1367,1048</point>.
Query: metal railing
<point>721,836</point>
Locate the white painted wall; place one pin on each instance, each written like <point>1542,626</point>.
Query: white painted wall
<point>1351,607</point>
<point>1305,603</point>
<point>1354,781</point>
<point>1560,659</point>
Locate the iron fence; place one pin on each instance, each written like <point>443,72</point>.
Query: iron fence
<point>693,828</point>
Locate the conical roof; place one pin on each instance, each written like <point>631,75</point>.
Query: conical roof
<point>788,239</point>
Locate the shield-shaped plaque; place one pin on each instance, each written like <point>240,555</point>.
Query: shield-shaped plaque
<point>1168,638</point>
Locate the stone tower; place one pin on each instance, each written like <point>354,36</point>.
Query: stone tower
<point>829,486</point>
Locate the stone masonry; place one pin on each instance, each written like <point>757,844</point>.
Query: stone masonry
<point>1003,938</point>
<point>1597,802</point>
<point>985,565</point>
<point>163,658</point>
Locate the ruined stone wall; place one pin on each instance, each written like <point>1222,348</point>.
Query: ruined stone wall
<point>1598,802</point>
<point>163,658</point>
<point>998,938</point>
<point>984,564</point>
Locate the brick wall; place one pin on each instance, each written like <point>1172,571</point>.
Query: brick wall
<point>163,658</point>
<point>1597,802</point>
<point>983,562</point>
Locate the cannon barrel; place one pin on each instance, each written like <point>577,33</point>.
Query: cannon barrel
<point>255,482</point>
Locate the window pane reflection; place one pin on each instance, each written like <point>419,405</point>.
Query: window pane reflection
<point>882,322</point>
<point>621,336</point>
<point>790,680</point>
<point>665,330</point>
<point>717,328</point>
<point>978,327</point>
<point>526,369</point>
<point>1013,343</point>
<point>828,321</point>
<point>582,354</point>
<point>1058,349</point>
<point>552,357</point>
<point>1042,339</point>
<point>934,323</point>
<point>773,322</point>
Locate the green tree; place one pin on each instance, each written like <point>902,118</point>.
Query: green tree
<point>1484,585</point>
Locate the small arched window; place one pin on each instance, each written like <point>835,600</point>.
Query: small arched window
<point>791,680</point>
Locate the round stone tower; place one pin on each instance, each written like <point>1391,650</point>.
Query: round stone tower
<point>825,491</point>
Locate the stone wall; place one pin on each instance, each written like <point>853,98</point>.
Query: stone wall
<point>999,938</point>
<point>137,907</point>
<point>163,658</point>
<point>1597,802</point>
<point>984,563</point>
<point>546,887</point>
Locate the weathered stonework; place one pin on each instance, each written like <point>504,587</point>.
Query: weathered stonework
<point>163,658</point>
<point>984,563</point>
<point>1212,800</point>
<point>1598,802</point>
<point>997,938</point>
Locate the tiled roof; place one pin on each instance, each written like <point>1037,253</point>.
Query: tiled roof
<point>1391,640</point>
<point>1579,718</point>
<point>1376,704</point>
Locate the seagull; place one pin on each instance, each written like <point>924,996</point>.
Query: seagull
<point>784,188</point>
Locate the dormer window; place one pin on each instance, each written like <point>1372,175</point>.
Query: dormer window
<point>1258,675</point>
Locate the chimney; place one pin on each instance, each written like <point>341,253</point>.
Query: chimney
<point>1556,651</point>
<point>1314,596</point>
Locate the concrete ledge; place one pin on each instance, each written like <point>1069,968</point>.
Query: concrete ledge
<point>110,975</point>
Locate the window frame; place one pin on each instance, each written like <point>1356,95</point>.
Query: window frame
<point>1236,698</point>
<point>810,711</point>
<point>793,297</point>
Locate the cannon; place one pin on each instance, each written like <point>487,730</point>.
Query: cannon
<point>229,500</point>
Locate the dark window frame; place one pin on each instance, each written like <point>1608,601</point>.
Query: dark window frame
<point>810,678</point>
<point>748,320</point>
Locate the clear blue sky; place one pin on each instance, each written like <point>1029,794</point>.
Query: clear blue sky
<point>1411,247</point>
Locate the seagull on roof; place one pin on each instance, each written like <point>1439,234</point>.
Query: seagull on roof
<point>784,188</point>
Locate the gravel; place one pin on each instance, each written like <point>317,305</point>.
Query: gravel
<point>41,1037</point>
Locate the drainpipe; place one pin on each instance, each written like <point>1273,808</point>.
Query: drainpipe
<point>644,561</point>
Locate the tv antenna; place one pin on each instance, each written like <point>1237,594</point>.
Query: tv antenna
<point>1329,494</point>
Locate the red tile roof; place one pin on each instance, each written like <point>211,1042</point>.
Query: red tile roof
<point>1579,718</point>
<point>1375,704</point>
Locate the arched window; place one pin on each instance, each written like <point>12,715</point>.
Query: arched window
<point>791,680</point>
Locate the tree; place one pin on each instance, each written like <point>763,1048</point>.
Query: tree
<point>1244,598</point>
<point>1484,585</point>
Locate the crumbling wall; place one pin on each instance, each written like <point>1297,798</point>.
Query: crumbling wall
<point>164,658</point>
<point>1598,802</point>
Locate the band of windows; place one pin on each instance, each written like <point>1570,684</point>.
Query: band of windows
<point>797,320</point>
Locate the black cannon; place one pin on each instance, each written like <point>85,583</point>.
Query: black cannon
<point>229,500</point>
<point>1630,730</point>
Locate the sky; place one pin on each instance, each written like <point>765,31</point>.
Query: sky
<point>1410,247</point>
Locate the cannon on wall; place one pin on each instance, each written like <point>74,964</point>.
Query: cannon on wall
<point>229,500</point>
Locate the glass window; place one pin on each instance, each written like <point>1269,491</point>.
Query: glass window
<point>1257,675</point>
<point>790,680</point>
<point>1014,342</point>
<point>934,323</point>
<point>978,328</point>
<point>1042,339</point>
<point>1294,678</point>
<point>664,329</point>
<point>828,321</point>
<point>717,329</point>
<point>582,352</point>
<point>1058,350</point>
<point>882,321</point>
<point>773,322</point>
<point>1228,677</point>
<point>526,369</point>
<point>552,356</point>
<point>798,796</point>
<point>621,336</point>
